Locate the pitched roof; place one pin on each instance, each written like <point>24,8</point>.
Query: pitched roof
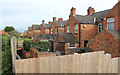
<point>36,27</point>
<point>84,19</point>
<point>100,15</point>
<point>49,36</point>
<point>68,37</point>
<point>47,26</point>
<point>4,33</point>
<point>115,33</point>
<point>60,23</point>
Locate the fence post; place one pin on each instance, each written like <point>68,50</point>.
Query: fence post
<point>13,51</point>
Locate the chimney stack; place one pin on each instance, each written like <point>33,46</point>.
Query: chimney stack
<point>49,22</point>
<point>60,19</point>
<point>90,11</point>
<point>43,21</point>
<point>73,11</point>
<point>54,19</point>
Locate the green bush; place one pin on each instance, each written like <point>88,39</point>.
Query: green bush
<point>40,45</point>
<point>6,56</point>
<point>27,44</point>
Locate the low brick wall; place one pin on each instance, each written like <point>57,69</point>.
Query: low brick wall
<point>46,54</point>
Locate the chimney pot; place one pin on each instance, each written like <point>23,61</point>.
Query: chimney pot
<point>43,21</point>
<point>60,19</point>
<point>73,11</point>
<point>90,11</point>
<point>50,22</point>
<point>54,19</point>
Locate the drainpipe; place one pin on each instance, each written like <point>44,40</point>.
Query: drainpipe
<point>79,34</point>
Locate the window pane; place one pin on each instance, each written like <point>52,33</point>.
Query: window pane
<point>67,28</point>
<point>111,26</point>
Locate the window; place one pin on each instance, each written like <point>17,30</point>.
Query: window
<point>85,43</point>
<point>72,45</point>
<point>55,30</point>
<point>99,28</point>
<point>110,23</point>
<point>67,29</point>
<point>76,28</point>
<point>37,36</point>
<point>51,30</point>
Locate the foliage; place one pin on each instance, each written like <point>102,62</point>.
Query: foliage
<point>24,36</point>
<point>6,56</point>
<point>8,29</point>
<point>14,33</point>
<point>27,44</point>
<point>40,45</point>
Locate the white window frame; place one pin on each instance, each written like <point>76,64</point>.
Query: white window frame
<point>110,20</point>
<point>67,28</point>
<point>72,47</point>
<point>76,28</point>
<point>51,31</point>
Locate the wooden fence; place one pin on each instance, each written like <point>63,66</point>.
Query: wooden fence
<point>94,62</point>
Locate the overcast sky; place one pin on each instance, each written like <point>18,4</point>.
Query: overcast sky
<point>23,13</point>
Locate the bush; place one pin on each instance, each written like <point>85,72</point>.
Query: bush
<point>27,44</point>
<point>40,45</point>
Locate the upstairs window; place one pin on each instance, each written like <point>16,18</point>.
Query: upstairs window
<point>68,29</point>
<point>72,45</point>
<point>110,23</point>
<point>55,30</point>
<point>76,28</point>
<point>51,30</point>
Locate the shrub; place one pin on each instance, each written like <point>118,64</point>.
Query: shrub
<point>40,45</point>
<point>27,44</point>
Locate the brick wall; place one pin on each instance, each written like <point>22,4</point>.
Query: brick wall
<point>47,31</point>
<point>114,13</point>
<point>105,41</point>
<point>87,33</point>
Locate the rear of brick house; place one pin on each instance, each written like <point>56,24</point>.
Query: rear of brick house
<point>83,28</point>
<point>108,40</point>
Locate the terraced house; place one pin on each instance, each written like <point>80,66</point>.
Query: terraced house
<point>80,31</point>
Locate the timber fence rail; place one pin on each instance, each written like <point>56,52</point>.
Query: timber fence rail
<point>93,62</point>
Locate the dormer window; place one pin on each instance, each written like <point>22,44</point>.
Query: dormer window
<point>76,28</point>
<point>110,23</point>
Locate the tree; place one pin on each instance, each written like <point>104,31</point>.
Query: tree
<point>9,28</point>
<point>27,44</point>
<point>13,33</point>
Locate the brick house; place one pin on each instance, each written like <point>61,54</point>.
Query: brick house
<point>108,39</point>
<point>35,32</point>
<point>83,27</point>
<point>29,33</point>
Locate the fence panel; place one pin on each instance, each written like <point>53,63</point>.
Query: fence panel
<point>95,62</point>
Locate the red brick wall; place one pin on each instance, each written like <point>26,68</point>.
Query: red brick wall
<point>88,33</point>
<point>113,14</point>
<point>104,41</point>
<point>47,31</point>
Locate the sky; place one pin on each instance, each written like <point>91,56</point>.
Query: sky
<point>23,13</point>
